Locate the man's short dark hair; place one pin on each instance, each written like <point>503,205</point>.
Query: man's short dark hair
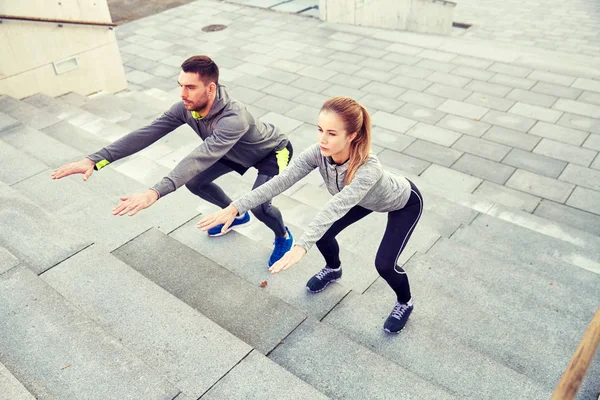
<point>204,67</point>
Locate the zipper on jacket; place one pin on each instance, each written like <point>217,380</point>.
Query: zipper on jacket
<point>336,180</point>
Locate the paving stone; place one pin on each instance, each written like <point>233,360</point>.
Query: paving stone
<point>556,90</point>
<point>448,92</point>
<point>275,104</point>
<point>559,133</point>
<point>310,84</point>
<point>511,121</point>
<point>389,139</point>
<point>581,176</point>
<point>303,355</point>
<point>483,168</point>
<point>550,77</point>
<point>447,79</point>
<point>488,88</point>
<point>317,73</point>
<point>569,216</point>
<point>589,97</point>
<point>463,125</point>
<point>434,134</point>
<point>434,65</point>
<point>7,122</point>
<point>596,163</point>
<point>339,90</point>
<point>287,65</point>
<point>304,113</point>
<point>528,97</point>
<point>512,81</point>
<point>379,102</point>
<point>343,67</point>
<point>284,123</point>
<point>539,185</point>
<point>252,82</point>
<point>26,113</point>
<point>592,142</point>
<point>535,112</point>
<point>577,107</point>
<point>579,122</point>
<point>256,377</point>
<point>410,83</point>
<point>587,84</point>
<point>473,73</point>
<point>280,76</point>
<point>481,147</point>
<point>282,91</point>
<point>432,152</point>
<point>66,340</point>
<point>401,163</point>
<point>383,90</point>
<point>311,99</point>
<point>507,196</point>
<point>419,113</point>
<point>16,166</point>
<point>138,76</point>
<point>449,179</point>
<point>373,75</point>
<point>403,49</point>
<point>378,64</point>
<point>472,62</point>
<point>510,70</point>
<point>422,99</point>
<point>585,199</point>
<point>412,71</point>
<point>7,261</point>
<point>437,55</point>
<point>201,283</point>
<point>489,101</point>
<point>391,122</point>
<point>161,330</point>
<point>351,81</point>
<point>565,152</point>
<point>463,109</point>
<point>535,163</point>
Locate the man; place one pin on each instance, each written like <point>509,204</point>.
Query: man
<point>233,140</point>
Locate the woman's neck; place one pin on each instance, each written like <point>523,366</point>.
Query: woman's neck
<point>341,157</point>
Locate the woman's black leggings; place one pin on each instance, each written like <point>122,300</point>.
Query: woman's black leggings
<point>401,224</point>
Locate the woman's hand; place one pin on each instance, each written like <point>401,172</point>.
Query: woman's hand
<point>290,258</point>
<point>224,216</point>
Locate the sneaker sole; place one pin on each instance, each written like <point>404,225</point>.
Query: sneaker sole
<point>230,229</point>
<point>324,287</point>
<point>391,332</point>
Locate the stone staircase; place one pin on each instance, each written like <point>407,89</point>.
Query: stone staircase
<point>94,306</point>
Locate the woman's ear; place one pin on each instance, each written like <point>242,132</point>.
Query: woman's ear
<point>352,136</point>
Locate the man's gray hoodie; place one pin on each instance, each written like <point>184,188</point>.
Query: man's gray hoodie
<point>228,131</point>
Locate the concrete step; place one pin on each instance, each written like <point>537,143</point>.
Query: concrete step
<point>16,166</point>
<point>581,251</point>
<point>257,378</point>
<point>533,259</point>
<point>7,260</point>
<point>519,344</point>
<point>11,388</point>
<point>40,146</point>
<point>504,288</point>
<point>7,122</point>
<point>75,137</point>
<point>187,348</point>
<point>32,235</point>
<point>104,105</point>
<point>56,352</point>
<point>428,351</point>
<point>143,105</point>
<point>342,368</point>
<point>245,310</point>
<point>26,113</point>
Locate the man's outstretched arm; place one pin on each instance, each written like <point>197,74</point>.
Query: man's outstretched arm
<point>85,167</point>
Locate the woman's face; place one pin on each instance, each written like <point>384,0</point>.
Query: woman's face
<point>334,141</point>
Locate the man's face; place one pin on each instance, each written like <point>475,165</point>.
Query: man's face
<point>194,93</point>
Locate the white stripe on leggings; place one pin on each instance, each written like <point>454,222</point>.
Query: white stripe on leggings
<point>409,232</point>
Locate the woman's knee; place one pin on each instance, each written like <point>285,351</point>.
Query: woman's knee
<point>386,266</point>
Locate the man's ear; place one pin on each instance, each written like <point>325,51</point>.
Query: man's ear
<point>212,88</point>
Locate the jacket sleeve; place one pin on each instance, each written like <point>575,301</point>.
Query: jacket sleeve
<point>141,138</point>
<point>298,169</point>
<point>339,205</point>
<point>226,134</point>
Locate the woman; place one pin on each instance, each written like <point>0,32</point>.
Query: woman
<point>359,186</point>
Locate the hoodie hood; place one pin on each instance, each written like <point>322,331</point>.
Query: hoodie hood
<point>221,101</point>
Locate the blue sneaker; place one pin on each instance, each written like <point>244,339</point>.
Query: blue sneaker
<point>282,246</point>
<point>398,318</point>
<point>242,220</point>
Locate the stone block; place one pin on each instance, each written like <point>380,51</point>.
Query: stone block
<point>342,67</point>
<point>280,76</point>
<point>383,90</point>
<point>381,103</point>
<point>311,84</point>
<point>373,75</point>
<point>541,186</point>
<point>472,73</point>
<point>565,152</point>
<point>412,71</point>
<point>590,98</point>
<point>481,147</point>
<point>16,166</point>
<point>448,92</point>
<point>510,121</point>
<point>317,73</point>
<point>512,81</point>
<point>556,90</point>
<point>559,133</point>
<point>483,168</point>
<point>507,196</point>
<point>340,90</point>
<point>587,84</point>
<point>7,122</point>
<point>535,112</point>
<point>447,79</point>
<point>489,101</point>
<point>551,77</point>
<point>274,104</point>
<point>69,355</point>
<point>11,387</point>
<point>420,113</point>
<point>574,217</point>
<point>586,200</point>
<point>472,62</point>
<point>578,108</point>
<point>463,125</point>
<point>284,123</point>
<point>390,140</point>
<point>391,122</point>
<point>282,91</point>
<point>463,109</point>
<point>7,261</point>
<point>435,65</point>
<point>528,97</point>
<point>450,179</point>
<point>410,83</point>
<point>579,122</point>
<point>402,163</point>
<point>304,113</point>
<point>510,70</point>
<point>432,152</point>
<point>422,99</point>
<point>537,163</point>
<point>581,176</point>
<point>434,134</point>
<point>488,88</point>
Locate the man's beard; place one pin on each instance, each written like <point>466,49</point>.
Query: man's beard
<point>200,107</point>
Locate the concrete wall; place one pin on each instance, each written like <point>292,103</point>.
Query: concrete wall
<point>28,50</point>
<point>427,16</point>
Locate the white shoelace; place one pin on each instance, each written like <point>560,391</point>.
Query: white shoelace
<point>399,310</point>
<point>323,273</point>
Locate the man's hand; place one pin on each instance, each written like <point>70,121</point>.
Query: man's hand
<point>224,216</point>
<point>290,258</point>
<point>85,167</point>
<point>135,203</point>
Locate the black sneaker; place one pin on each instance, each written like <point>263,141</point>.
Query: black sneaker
<point>320,281</point>
<point>398,318</point>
